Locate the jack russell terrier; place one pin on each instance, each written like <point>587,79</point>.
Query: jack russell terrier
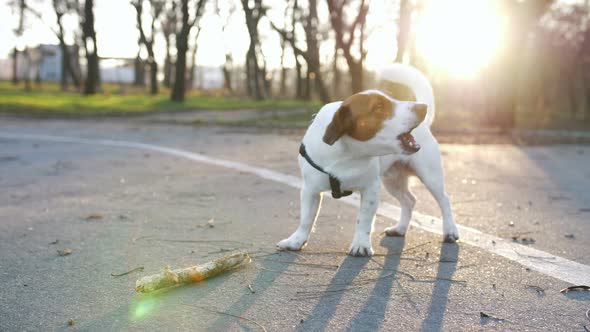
<point>353,144</point>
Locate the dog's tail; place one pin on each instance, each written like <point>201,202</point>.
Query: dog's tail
<point>415,80</point>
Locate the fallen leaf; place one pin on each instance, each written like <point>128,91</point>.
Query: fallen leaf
<point>64,252</point>
<point>94,216</point>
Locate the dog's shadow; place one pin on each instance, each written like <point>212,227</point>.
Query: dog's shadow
<point>449,254</point>
<point>372,313</point>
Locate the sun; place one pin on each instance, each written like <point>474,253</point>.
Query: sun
<point>459,37</point>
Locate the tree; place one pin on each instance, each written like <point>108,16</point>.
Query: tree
<point>61,7</point>
<point>156,6</point>
<point>191,75</point>
<point>187,24</point>
<point>254,74</point>
<point>91,49</point>
<point>312,53</point>
<point>342,29</point>
<point>168,25</point>
<point>19,6</point>
<point>228,64</point>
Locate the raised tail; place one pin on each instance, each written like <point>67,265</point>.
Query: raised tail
<point>415,80</point>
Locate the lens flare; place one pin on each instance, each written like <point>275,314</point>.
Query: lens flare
<point>459,37</point>
<point>142,308</point>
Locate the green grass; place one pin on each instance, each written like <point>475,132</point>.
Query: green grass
<point>48,100</point>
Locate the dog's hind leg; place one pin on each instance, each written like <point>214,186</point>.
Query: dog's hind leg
<point>428,167</point>
<point>396,183</point>
<point>310,208</point>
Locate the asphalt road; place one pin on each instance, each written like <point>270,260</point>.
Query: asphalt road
<point>118,208</point>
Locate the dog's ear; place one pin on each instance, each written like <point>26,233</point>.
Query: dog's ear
<point>341,123</point>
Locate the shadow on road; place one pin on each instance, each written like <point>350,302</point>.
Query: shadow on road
<point>449,253</point>
<point>266,276</point>
<point>321,314</point>
<point>372,314</point>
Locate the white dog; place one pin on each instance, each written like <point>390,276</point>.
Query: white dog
<point>353,144</point>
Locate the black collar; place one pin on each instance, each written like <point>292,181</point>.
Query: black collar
<point>334,182</point>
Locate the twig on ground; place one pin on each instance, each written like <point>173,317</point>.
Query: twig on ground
<point>137,269</point>
<point>540,291</point>
<point>433,279</point>
<point>295,273</point>
<point>227,314</point>
<point>168,277</point>
<point>575,288</point>
<point>535,257</point>
<point>484,315</point>
<point>417,246</point>
<point>304,264</point>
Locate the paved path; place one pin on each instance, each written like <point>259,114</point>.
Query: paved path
<point>148,201</point>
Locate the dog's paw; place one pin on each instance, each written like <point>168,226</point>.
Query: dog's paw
<point>450,235</point>
<point>360,249</point>
<point>396,231</point>
<point>291,244</point>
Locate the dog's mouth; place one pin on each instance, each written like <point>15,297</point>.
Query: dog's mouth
<point>408,142</point>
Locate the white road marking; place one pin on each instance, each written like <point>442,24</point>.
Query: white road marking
<point>546,263</point>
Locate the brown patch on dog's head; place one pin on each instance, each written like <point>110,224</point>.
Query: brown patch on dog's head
<point>360,116</point>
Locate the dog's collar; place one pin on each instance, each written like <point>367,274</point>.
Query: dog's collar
<point>334,182</point>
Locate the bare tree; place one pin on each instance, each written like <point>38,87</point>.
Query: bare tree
<point>91,49</point>
<point>187,24</point>
<point>156,8</point>
<point>61,7</point>
<point>342,30</point>
<point>168,29</point>
<point>228,64</point>
<point>191,75</point>
<point>19,6</point>
<point>254,74</point>
<point>312,53</point>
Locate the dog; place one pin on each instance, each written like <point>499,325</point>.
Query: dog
<point>368,139</point>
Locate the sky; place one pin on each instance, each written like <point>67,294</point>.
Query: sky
<point>457,37</point>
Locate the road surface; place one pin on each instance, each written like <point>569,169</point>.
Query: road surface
<point>126,193</point>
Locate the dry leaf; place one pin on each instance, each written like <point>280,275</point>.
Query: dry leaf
<point>64,252</point>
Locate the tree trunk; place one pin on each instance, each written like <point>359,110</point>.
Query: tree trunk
<point>89,35</point>
<point>178,88</point>
<point>227,74</point>
<point>255,79</point>
<point>139,69</point>
<point>154,78</point>
<point>299,80</point>
<point>15,66</point>
<point>191,74</point>
<point>167,64</point>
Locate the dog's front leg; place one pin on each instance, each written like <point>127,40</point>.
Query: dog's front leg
<point>310,208</point>
<point>361,244</point>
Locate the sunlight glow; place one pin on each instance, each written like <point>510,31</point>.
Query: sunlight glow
<point>459,37</point>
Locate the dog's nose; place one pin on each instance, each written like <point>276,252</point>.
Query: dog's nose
<point>420,110</point>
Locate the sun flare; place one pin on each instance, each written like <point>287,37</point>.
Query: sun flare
<point>459,37</point>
